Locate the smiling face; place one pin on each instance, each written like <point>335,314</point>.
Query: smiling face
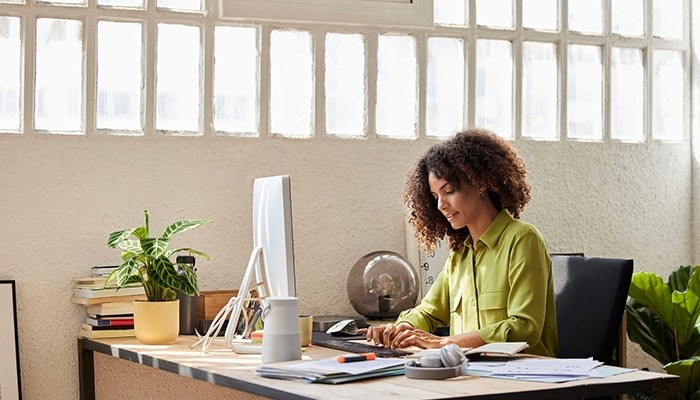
<point>461,207</point>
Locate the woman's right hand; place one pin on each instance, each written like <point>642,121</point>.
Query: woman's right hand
<point>384,334</point>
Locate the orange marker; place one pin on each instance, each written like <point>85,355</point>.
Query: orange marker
<point>357,357</point>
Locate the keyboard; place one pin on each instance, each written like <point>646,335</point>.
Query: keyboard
<point>355,347</point>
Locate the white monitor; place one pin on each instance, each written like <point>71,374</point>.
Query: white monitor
<point>272,231</point>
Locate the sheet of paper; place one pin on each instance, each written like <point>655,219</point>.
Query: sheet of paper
<point>331,365</point>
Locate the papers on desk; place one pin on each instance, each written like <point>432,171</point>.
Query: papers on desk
<point>329,370</point>
<point>544,369</point>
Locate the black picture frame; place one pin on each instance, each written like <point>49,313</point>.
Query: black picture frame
<point>10,385</point>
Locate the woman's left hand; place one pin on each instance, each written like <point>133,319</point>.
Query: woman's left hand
<point>417,338</point>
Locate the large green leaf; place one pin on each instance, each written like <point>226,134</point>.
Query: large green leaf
<point>182,226</point>
<point>117,237</point>
<point>645,328</point>
<point>689,372</point>
<point>164,274</point>
<point>154,247</point>
<point>650,290</point>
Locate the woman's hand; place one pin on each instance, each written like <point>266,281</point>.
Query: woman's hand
<point>417,338</point>
<point>384,334</point>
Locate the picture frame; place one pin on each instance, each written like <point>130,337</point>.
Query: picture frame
<point>10,386</point>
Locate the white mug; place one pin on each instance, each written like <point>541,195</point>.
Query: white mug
<point>281,330</point>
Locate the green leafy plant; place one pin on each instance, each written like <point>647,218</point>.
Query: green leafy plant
<point>146,260</point>
<point>664,319</point>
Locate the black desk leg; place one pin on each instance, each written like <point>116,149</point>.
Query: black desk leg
<point>86,369</point>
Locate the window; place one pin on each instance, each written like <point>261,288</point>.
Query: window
<point>580,70</point>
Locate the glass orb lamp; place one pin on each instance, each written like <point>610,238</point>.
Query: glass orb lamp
<point>381,284</point>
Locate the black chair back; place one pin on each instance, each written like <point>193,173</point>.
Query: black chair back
<point>590,296</point>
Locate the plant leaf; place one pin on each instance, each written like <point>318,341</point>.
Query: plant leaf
<point>116,237</point>
<point>163,274</point>
<point>154,247</point>
<point>182,226</point>
<point>650,290</point>
<point>645,328</point>
<point>689,372</point>
<point>686,307</point>
<point>190,251</point>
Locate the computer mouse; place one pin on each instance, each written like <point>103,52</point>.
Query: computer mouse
<point>346,327</point>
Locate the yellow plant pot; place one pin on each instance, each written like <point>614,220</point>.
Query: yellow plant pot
<point>156,322</point>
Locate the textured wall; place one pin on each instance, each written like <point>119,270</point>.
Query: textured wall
<point>61,196</point>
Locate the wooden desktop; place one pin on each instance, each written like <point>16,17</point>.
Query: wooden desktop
<point>220,373</point>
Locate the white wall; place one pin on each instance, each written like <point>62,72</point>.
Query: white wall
<point>62,196</point>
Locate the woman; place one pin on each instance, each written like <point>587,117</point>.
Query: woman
<point>496,284</point>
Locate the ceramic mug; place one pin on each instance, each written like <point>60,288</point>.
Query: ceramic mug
<point>306,324</point>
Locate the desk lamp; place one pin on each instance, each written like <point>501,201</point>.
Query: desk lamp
<point>381,284</point>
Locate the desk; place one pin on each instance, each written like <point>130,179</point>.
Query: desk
<point>223,368</point>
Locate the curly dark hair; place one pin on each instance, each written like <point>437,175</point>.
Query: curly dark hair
<point>475,156</point>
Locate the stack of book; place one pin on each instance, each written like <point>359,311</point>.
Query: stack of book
<point>110,311</point>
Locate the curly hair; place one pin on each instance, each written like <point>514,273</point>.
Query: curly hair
<point>475,156</point>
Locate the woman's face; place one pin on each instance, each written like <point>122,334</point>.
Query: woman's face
<point>459,207</point>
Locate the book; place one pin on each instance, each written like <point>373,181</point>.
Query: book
<point>107,292</point>
<point>106,333</point>
<point>111,308</point>
<point>103,270</point>
<point>497,349</point>
<point>86,301</point>
<point>98,282</point>
<point>119,321</point>
<point>329,370</point>
<point>87,327</point>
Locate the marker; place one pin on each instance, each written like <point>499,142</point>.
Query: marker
<point>358,357</point>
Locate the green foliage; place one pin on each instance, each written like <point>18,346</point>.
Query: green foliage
<point>146,260</point>
<point>664,319</point>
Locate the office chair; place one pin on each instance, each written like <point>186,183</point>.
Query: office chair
<point>590,297</point>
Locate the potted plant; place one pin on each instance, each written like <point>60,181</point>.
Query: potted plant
<point>664,319</point>
<point>147,260</point>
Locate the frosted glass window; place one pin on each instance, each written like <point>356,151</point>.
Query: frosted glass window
<point>628,17</point>
<point>668,104</point>
<point>236,86</point>
<point>585,93</point>
<point>65,2</point>
<point>494,13</point>
<point>10,70</point>
<point>494,86</point>
<point>182,5</point>
<point>119,76</point>
<point>445,86</point>
<point>449,12</point>
<point>59,76</point>
<point>396,86</point>
<point>291,83</point>
<point>12,1</point>
<point>539,116</point>
<point>178,72</point>
<point>668,18</point>
<point>345,84</point>
<point>121,3</point>
<point>540,14</point>
<point>627,95</point>
<point>586,16</point>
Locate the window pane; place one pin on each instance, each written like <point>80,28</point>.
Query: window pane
<point>586,16</point>
<point>119,76</point>
<point>184,5</point>
<point>121,3</point>
<point>495,13</point>
<point>541,14</point>
<point>445,91</point>
<point>236,94</point>
<point>396,86</point>
<point>627,95</point>
<point>585,93</point>
<point>10,70</point>
<point>668,18</point>
<point>628,17</point>
<point>494,86</point>
<point>668,97</point>
<point>539,90</point>
<point>72,2</point>
<point>178,74</point>
<point>345,84</point>
<point>291,82</point>
<point>449,12</point>
<point>59,75</point>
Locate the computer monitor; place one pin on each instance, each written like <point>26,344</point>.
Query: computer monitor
<point>272,231</point>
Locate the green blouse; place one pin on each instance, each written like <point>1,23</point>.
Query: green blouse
<point>500,288</point>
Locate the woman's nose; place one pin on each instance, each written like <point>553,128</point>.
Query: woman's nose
<point>441,204</point>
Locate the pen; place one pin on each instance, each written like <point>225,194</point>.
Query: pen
<point>358,357</point>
